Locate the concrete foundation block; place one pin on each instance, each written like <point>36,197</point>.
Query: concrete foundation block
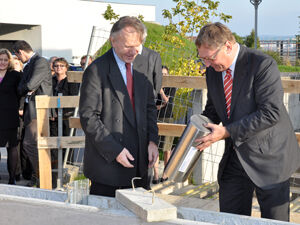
<point>144,205</point>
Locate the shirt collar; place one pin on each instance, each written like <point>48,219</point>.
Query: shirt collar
<point>25,64</point>
<point>232,67</point>
<point>119,61</point>
<point>141,49</point>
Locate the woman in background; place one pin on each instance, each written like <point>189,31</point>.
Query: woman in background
<point>9,111</point>
<point>51,61</point>
<point>61,85</point>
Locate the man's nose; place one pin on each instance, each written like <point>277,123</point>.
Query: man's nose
<point>207,63</point>
<point>133,51</point>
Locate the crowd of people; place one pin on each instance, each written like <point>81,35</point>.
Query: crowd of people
<point>23,75</point>
<point>118,114</point>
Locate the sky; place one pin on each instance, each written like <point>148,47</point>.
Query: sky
<point>275,17</point>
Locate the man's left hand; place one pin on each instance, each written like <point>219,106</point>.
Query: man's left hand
<point>152,154</point>
<point>217,133</point>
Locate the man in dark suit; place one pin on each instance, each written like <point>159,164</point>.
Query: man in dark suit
<point>261,150</point>
<point>152,67</point>
<point>36,80</point>
<point>118,114</point>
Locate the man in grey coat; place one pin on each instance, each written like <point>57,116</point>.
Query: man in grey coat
<point>245,94</point>
<point>36,80</point>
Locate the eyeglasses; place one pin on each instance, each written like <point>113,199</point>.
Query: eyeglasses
<point>59,66</point>
<point>211,58</point>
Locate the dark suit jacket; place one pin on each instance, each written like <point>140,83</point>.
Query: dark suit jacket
<point>9,100</point>
<point>110,124</point>
<point>66,89</point>
<point>151,68</point>
<point>37,77</point>
<point>259,126</point>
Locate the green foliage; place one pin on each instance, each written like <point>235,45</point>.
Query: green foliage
<point>275,56</point>
<point>80,177</point>
<point>283,68</point>
<point>104,48</point>
<point>238,38</point>
<point>141,18</point>
<point>283,65</point>
<point>109,14</point>
<point>192,16</point>
<point>250,39</point>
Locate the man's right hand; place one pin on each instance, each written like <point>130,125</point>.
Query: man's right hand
<point>124,157</point>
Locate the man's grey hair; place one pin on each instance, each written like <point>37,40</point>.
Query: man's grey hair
<point>129,21</point>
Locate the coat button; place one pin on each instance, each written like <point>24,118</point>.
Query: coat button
<point>118,120</point>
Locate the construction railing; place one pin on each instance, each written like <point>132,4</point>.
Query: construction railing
<point>44,103</point>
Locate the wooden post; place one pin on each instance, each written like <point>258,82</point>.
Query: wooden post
<point>45,174</point>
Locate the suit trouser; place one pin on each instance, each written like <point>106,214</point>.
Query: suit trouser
<point>30,146</point>
<point>236,192</point>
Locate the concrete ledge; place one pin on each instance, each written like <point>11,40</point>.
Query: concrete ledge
<point>224,218</point>
<point>145,205</point>
<point>18,203</point>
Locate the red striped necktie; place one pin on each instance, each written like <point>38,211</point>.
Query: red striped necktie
<point>129,82</point>
<point>228,90</point>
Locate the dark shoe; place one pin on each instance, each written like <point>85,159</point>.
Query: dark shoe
<point>12,181</point>
<point>33,183</point>
<point>18,177</point>
<point>163,180</point>
<point>26,176</point>
<point>155,181</point>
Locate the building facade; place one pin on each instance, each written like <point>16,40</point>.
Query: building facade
<point>60,27</point>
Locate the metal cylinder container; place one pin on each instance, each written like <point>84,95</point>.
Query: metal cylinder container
<point>185,155</point>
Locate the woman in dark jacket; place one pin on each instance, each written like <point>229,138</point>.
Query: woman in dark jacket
<point>9,111</point>
<point>61,85</point>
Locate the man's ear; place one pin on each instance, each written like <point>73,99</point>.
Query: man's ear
<point>229,47</point>
<point>112,40</point>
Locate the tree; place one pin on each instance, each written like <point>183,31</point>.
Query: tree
<point>238,38</point>
<point>249,40</point>
<point>109,14</point>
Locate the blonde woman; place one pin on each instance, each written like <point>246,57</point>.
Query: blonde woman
<point>9,111</point>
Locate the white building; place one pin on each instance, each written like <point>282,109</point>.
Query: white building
<point>60,27</point>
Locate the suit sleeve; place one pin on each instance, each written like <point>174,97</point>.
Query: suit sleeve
<point>151,117</point>
<point>90,108</point>
<point>268,94</point>
<point>39,74</point>
<point>210,111</point>
<point>157,74</point>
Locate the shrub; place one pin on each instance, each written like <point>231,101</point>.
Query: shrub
<point>275,56</point>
